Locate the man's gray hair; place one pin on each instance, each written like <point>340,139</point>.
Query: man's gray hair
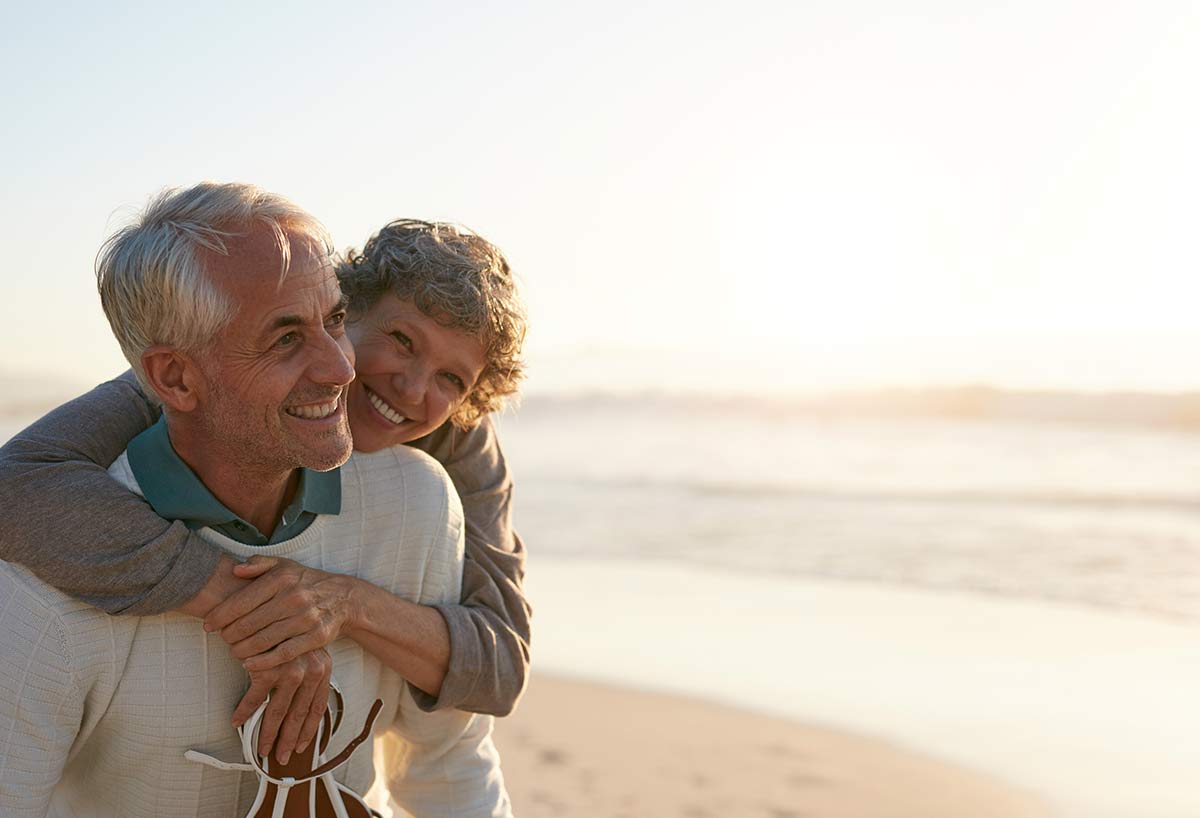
<point>151,275</point>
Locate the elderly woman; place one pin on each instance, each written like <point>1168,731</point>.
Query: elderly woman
<point>438,327</point>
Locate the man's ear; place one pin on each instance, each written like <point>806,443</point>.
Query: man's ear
<point>173,376</point>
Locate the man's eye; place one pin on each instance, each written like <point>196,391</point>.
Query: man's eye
<point>336,320</point>
<point>288,340</point>
<point>403,339</point>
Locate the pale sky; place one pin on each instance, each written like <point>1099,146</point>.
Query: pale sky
<point>742,196</point>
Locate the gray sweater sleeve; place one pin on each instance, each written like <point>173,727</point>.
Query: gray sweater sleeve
<point>489,631</point>
<point>76,528</point>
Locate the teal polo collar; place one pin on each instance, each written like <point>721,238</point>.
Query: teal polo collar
<point>176,493</point>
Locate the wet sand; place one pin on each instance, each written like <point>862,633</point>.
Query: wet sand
<point>580,749</point>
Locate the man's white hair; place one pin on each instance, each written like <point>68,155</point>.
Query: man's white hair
<point>151,278</point>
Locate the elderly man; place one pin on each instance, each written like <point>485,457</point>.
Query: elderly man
<point>225,304</point>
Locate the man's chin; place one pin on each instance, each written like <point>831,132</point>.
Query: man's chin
<point>327,458</point>
<point>328,451</point>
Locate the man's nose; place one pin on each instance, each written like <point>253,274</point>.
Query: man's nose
<point>334,362</point>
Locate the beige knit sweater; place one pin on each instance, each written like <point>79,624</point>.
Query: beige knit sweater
<point>96,711</point>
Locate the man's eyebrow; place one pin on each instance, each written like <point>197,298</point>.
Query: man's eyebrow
<point>284,321</point>
<point>289,320</point>
<point>341,304</point>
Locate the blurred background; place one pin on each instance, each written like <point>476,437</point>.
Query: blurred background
<point>862,386</point>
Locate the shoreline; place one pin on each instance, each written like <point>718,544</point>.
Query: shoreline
<point>576,748</point>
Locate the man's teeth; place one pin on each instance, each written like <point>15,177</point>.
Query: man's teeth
<point>317,412</point>
<point>385,410</point>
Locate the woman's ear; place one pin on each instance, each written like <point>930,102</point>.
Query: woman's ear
<point>173,376</point>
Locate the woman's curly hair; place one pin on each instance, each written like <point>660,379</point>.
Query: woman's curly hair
<point>460,280</point>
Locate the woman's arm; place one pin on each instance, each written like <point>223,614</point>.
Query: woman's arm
<point>112,551</point>
<point>489,631</point>
<point>471,656</point>
<point>78,529</point>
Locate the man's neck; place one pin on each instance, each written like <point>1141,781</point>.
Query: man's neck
<point>257,495</point>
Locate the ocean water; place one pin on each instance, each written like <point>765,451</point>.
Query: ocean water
<point>1093,514</point>
<point>1090,513</point>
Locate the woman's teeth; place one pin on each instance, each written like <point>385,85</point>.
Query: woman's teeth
<point>383,409</point>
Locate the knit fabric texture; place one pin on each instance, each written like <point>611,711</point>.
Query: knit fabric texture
<point>96,711</point>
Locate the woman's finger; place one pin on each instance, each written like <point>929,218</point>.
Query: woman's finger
<point>255,567</point>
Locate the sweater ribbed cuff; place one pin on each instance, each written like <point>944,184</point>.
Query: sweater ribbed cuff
<point>465,657</point>
<point>189,573</point>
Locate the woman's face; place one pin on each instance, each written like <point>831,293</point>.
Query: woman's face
<point>412,373</point>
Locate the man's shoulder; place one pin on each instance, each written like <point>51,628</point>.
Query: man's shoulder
<point>20,585</point>
<point>395,460</point>
<point>33,607</point>
<point>28,599</point>
<point>64,656</point>
<point>397,475</point>
<point>402,506</point>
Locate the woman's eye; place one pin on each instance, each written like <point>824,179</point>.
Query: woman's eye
<point>403,339</point>
<point>456,381</point>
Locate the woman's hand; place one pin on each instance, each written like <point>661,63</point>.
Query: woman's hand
<point>287,611</point>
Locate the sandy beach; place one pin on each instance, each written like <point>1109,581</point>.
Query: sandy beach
<point>575,748</point>
<point>1089,711</point>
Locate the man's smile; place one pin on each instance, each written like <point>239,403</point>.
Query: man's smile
<point>314,411</point>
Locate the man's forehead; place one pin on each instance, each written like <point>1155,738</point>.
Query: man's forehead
<point>260,251</point>
<point>315,287</point>
<point>244,249</point>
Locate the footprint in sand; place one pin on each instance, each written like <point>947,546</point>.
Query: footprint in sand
<point>783,812</point>
<point>552,756</point>
<point>779,749</point>
<point>799,780</point>
<point>587,780</point>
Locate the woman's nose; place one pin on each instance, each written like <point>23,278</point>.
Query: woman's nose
<point>410,385</point>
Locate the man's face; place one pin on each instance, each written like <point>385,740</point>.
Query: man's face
<point>275,380</point>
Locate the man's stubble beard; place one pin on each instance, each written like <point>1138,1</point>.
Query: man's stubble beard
<point>249,445</point>
<point>265,447</point>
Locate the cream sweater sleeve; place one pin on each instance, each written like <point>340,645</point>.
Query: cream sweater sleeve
<point>41,707</point>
